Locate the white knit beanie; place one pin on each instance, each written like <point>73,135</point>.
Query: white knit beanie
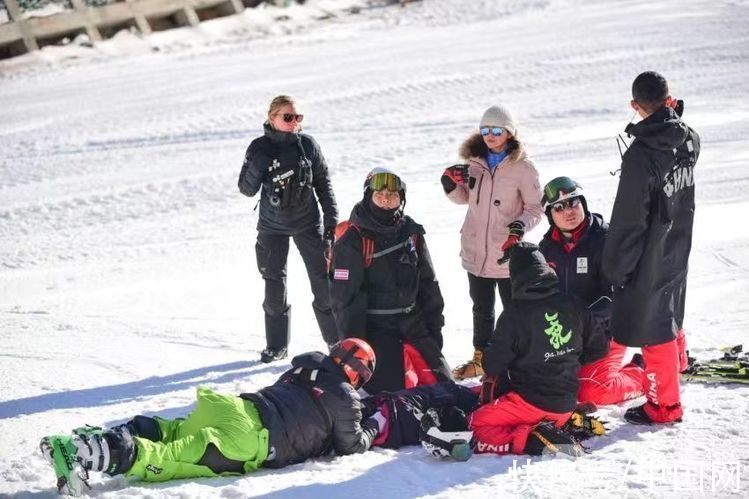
<point>498,116</point>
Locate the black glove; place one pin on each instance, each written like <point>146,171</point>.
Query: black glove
<point>452,176</point>
<point>493,387</point>
<point>517,228</point>
<point>328,236</point>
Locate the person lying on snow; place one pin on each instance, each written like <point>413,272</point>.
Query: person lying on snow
<point>436,416</point>
<point>532,361</point>
<point>311,410</point>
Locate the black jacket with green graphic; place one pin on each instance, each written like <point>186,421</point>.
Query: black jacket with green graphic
<point>541,340</point>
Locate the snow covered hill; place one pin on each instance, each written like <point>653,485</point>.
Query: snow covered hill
<point>127,272</point>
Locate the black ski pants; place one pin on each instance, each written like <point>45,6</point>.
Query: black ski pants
<point>484,298</point>
<point>272,252</point>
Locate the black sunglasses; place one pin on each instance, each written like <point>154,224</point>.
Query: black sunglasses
<point>289,117</point>
<point>567,203</point>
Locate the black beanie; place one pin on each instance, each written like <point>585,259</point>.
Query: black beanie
<point>527,263</point>
<point>524,255</point>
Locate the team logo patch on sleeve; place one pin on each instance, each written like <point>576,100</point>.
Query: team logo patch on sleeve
<point>340,274</point>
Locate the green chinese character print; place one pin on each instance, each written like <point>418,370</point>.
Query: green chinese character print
<point>554,331</point>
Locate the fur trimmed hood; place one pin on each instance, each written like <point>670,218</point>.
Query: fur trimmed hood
<point>475,147</point>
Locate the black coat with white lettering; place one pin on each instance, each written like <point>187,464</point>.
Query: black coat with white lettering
<point>540,341</point>
<point>650,233</point>
<point>293,208</point>
<point>312,410</point>
<point>402,278</point>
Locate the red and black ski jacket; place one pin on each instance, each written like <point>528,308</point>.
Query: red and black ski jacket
<point>579,267</point>
<point>312,410</point>
<point>403,423</point>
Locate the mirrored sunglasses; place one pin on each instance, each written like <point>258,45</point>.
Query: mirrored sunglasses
<point>494,130</point>
<point>289,117</point>
<point>389,181</point>
<point>563,205</point>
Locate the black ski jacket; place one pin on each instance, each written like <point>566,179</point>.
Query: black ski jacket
<point>404,425</point>
<point>293,207</point>
<point>579,269</point>
<point>396,299</point>
<point>650,233</point>
<point>540,341</point>
<point>311,410</point>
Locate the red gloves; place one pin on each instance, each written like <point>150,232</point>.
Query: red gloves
<point>452,176</point>
<point>516,231</point>
<point>382,416</point>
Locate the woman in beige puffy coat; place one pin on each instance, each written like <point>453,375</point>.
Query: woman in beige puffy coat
<point>501,188</point>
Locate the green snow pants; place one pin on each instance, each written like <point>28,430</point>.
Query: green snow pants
<point>231,424</point>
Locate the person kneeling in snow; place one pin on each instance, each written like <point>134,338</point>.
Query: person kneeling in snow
<point>573,247</point>
<point>435,416</point>
<point>311,410</point>
<point>532,361</point>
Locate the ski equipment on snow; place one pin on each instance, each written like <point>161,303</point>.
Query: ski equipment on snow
<point>733,367</point>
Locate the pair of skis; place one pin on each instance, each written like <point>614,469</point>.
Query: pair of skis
<point>732,367</point>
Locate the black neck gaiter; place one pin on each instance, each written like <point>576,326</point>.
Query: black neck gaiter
<point>381,215</point>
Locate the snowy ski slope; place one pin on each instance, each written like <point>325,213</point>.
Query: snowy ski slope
<point>127,272</point>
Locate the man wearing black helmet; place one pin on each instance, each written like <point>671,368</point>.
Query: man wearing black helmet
<point>573,247</point>
<point>383,287</point>
<point>312,410</point>
<point>648,244</point>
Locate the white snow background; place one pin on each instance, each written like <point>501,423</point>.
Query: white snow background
<point>128,274</point>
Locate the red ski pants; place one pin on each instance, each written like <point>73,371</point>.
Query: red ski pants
<point>606,382</point>
<point>503,426</point>
<point>416,369</point>
<point>662,381</point>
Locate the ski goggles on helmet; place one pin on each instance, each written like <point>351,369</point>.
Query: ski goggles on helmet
<point>560,206</point>
<point>561,189</point>
<point>389,181</point>
<point>494,130</point>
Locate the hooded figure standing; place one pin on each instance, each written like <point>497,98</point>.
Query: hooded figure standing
<point>383,288</point>
<point>647,248</point>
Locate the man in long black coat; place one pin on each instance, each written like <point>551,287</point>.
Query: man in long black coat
<point>649,240</point>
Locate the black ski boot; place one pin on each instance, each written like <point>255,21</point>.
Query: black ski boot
<point>273,354</point>
<point>547,439</point>
<point>638,416</point>
<point>277,332</point>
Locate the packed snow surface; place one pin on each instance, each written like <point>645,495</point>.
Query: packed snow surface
<point>127,269</point>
